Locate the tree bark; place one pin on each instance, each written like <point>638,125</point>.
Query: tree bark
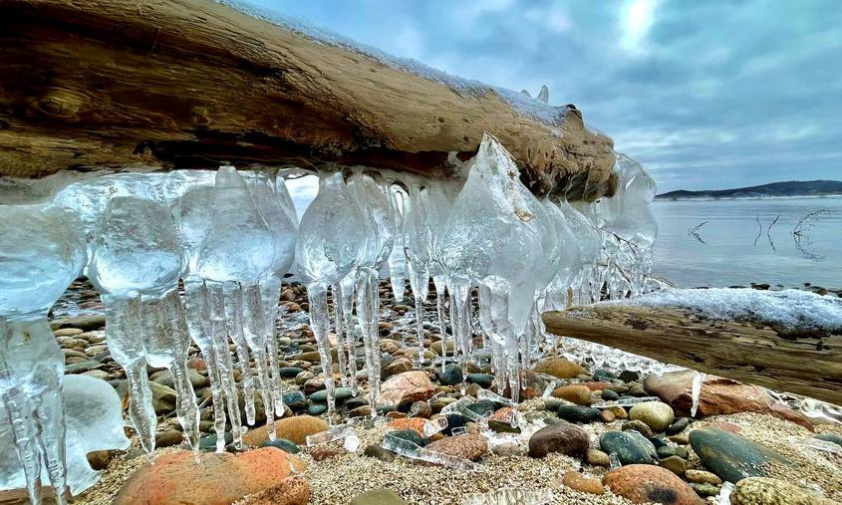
<point>192,83</point>
<point>809,365</point>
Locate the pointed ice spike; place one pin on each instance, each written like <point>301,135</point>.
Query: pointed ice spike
<point>255,333</point>
<point>544,95</point>
<point>319,320</point>
<point>413,451</point>
<point>219,326</point>
<point>348,346</point>
<point>440,283</point>
<point>339,331</point>
<point>201,330</point>
<point>42,252</point>
<point>397,256</point>
<point>330,245</point>
<point>367,294</point>
<point>335,433</point>
<point>434,426</point>
<point>625,402</point>
<point>698,380</point>
<point>509,496</point>
<point>234,318</point>
<point>275,205</point>
<point>724,496</point>
<point>23,432</point>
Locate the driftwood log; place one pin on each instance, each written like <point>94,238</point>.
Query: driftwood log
<point>809,365</point>
<point>191,83</point>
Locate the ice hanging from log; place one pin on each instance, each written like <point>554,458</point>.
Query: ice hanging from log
<point>330,245</point>
<point>136,265</point>
<point>94,418</point>
<point>231,237</point>
<point>40,254</point>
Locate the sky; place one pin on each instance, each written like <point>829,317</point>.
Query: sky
<point>705,94</point>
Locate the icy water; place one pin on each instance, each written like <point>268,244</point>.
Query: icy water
<point>733,249</point>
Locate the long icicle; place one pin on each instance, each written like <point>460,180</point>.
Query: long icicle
<point>234,317</point>
<point>201,329</point>
<point>320,322</point>
<point>223,356</point>
<point>347,293</point>
<point>440,282</point>
<point>255,333</point>
<point>339,326</point>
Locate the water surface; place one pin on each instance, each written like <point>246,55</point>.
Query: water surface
<point>732,248</point>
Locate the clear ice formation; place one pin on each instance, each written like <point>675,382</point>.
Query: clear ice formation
<point>136,265</point>
<point>344,432</point>
<point>94,417</point>
<point>331,244</point>
<point>724,496</point>
<point>229,237</point>
<point>625,402</point>
<point>414,451</point>
<point>41,253</point>
<point>510,496</point>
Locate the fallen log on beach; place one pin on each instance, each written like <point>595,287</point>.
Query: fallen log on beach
<point>808,364</point>
<point>193,83</point>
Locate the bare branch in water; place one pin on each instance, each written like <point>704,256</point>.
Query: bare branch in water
<point>694,232</point>
<point>769,235</point>
<point>759,231</point>
<point>800,236</point>
<point>807,221</point>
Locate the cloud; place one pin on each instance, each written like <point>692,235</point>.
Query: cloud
<point>704,94</point>
<point>636,20</point>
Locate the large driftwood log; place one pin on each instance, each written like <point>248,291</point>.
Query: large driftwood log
<point>810,365</point>
<point>190,83</point>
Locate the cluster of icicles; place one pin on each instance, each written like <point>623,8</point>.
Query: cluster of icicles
<point>230,237</point>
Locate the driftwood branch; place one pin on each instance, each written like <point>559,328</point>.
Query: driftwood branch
<point>810,365</point>
<point>191,83</point>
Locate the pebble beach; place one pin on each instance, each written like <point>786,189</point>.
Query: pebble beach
<point>562,450</point>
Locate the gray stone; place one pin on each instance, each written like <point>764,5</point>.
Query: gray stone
<point>631,447</point>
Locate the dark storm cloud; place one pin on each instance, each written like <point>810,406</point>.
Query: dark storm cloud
<point>705,94</point>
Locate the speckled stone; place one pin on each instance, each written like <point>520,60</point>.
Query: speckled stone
<point>766,491</point>
<point>649,483</point>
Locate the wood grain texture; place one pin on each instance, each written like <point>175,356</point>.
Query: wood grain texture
<point>810,365</point>
<point>190,83</point>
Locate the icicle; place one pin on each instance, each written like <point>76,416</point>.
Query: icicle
<point>275,205</point>
<point>724,496</point>
<point>348,346</point>
<point>510,496</point>
<point>367,303</point>
<point>614,461</point>
<point>414,451</point>
<point>440,283</point>
<point>223,362</point>
<point>418,252</point>
<point>698,379</point>
<point>625,402</point>
<point>339,330</point>
<point>168,347</point>
<point>331,243</point>
<point>344,432</point>
<point>397,256</point>
<point>233,294</point>
<point>255,333</point>
<point>434,426</point>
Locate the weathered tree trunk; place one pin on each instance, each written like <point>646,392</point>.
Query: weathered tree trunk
<point>191,83</point>
<point>810,365</point>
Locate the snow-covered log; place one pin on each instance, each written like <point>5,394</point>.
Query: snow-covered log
<point>191,83</point>
<point>805,362</point>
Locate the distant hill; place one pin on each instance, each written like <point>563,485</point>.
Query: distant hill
<point>773,189</point>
